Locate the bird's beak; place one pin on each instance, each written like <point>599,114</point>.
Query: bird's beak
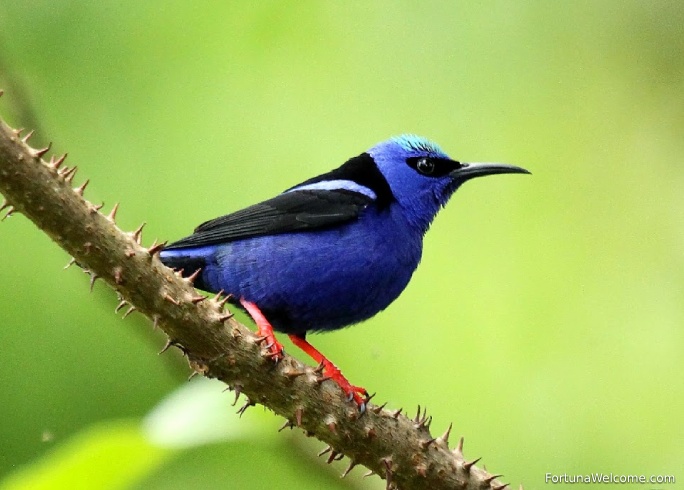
<point>472,170</point>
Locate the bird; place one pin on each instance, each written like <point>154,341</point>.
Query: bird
<point>331,251</point>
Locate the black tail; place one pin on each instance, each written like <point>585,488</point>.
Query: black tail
<point>188,264</point>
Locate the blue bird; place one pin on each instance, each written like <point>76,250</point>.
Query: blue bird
<point>333,250</point>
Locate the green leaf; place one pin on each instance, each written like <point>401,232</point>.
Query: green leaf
<point>106,456</point>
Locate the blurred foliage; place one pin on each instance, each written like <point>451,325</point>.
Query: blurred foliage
<point>546,321</point>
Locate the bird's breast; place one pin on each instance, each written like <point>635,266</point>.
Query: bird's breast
<point>326,279</point>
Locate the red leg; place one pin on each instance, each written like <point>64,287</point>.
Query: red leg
<point>264,329</point>
<point>333,372</point>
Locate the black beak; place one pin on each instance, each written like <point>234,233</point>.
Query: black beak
<point>472,170</point>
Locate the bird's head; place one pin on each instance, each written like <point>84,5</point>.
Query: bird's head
<point>422,177</point>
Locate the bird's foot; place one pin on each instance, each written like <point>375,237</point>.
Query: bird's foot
<point>274,349</point>
<point>356,393</point>
<point>329,371</point>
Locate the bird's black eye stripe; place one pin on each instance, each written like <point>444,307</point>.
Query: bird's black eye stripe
<point>432,166</point>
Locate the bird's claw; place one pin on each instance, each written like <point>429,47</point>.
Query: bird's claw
<point>273,349</point>
<point>357,394</point>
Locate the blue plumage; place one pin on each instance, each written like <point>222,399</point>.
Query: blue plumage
<point>334,250</point>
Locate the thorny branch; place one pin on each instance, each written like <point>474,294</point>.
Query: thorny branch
<point>399,449</point>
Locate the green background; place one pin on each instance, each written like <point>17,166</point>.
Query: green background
<point>546,320</point>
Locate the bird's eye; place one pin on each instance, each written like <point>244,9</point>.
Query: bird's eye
<point>425,166</point>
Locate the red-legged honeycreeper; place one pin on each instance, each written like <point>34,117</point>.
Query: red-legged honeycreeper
<point>331,251</point>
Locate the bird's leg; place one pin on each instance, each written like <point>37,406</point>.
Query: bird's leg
<point>264,330</point>
<point>356,393</point>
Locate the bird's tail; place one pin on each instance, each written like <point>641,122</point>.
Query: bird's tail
<point>186,260</point>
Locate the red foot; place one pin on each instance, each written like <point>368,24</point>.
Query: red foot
<point>332,372</point>
<point>264,330</point>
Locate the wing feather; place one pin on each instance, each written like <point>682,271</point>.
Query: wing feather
<point>295,210</point>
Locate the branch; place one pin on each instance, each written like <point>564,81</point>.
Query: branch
<point>399,449</point>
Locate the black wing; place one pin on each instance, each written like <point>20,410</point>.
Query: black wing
<point>291,211</point>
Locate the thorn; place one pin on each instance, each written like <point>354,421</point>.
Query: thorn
<point>93,277</point>
<point>10,212</point>
<point>396,414</point>
<point>351,466</point>
<point>137,234</point>
<point>445,437</point>
<point>293,373</point>
<point>370,473</point>
<point>170,299</point>
<point>286,425</point>
<point>79,190</point>
<point>70,263</point>
<point>326,450</point>
<point>120,305</point>
<point>18,131</point>
<point>459,447</point>
<point>42,151</point>
<point>422,420</point>
<point>332,457</point>
<point>129,311</point>
<point>500,487</point>
<point>490,479</point>
<point>426,443</point>
<point>424,423</point>
<point>112,214</point>
<point>192,375</point>
<point>388,472</point>
<point>244,407</point>
<point>97,207</point>
<point>222,302</point>
<point>238,390</point>
<point>56,162</point>
<point>197,299</point>
<point>467,466</point>
<point>321,379</point>
<point>155,322</point>
<point>333,427</point>
<point>379,408</point>
<point>191,278</point>
<point>369,398</point>
<point>421,469</point>
<point>168,344</point>
<point>370,432</point>
<point>218,299</point>
<point>69,174</point>
<point>319,369</point>
<point>298,416</point>
<point>227,316</point>
<point>156,248</point>
<point>28,135</point>
<point>118,275</point>
<point>5,204</point>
